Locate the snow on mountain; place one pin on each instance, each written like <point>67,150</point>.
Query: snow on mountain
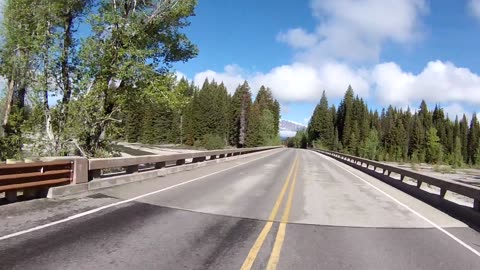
<point>289,128</point>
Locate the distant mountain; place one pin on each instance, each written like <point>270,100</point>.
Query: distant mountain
<point>290,128</point>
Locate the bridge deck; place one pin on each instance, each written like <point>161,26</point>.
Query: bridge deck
<point>284,209</point>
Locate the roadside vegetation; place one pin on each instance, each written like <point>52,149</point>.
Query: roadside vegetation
<point>80,74</point>
<point>393,134</point>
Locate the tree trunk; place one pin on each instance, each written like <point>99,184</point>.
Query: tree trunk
<point>9,101</point>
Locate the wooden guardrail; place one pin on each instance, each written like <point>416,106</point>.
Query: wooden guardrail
<point>444,185</point>
<point>31,176</point>
<point>99,167</point>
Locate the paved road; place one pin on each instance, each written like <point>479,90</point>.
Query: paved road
<point>283,209</point>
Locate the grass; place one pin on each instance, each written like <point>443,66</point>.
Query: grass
<point>443,169</point>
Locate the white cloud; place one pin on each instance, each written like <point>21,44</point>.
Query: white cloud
<point>301,82</point>
<point>180,75</point>
<point>231,77</point>
<point>295,82</point>
<point>439,82</point>
<point>456,109</point>
<point>298,38</point>
<point>350,34</point>
<point>357,29</point>
<point>474,7</point>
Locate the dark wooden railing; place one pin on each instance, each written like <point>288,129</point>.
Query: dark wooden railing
<point>29,177</point>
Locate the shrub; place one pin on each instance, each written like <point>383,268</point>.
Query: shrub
<point>212,142</point>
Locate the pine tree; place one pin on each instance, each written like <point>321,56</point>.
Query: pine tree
<point>417,138</point>
<point>240,110</point>
<point>434,147</point>
<point>463,128</point>
<point>371,145</point>
<point>457,159</point>
<point>321,124</point>
<point>473,137</point>
<point>254,133</point>
<point>344,119</point>
<point>276,118</point>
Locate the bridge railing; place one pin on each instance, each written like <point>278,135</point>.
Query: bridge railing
<point>75,173</point>
<point>32,177</point>
<point>104,167</point>
<point>371,167</point>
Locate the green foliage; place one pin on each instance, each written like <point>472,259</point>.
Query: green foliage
<point>101,80</point>
<point>473,140</point>
<point>299,141</point>
<point>370,148</point>
<point>212,142</point>
<point>456,159</point>
<point>321,124</point>
<point>394,134</point>
<point>434,148</point>
<point>239,114</point>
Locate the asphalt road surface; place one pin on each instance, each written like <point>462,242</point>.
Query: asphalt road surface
<point>281,209</point>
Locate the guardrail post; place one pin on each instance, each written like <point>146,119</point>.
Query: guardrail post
<point>180,162</point>
<point>94,174</point>
<point>160,165</point>
<point>443,191</point>
<point>132,169</point>
<point>80,170</point>
<point>11,196</point>
<point>402,177</point>
<point>198,159</point>
<point>419,183</point>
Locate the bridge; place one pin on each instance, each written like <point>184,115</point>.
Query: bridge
<point>248,209</point>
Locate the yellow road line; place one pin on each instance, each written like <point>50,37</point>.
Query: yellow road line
<point>277,247</point>
<point>252,255</point>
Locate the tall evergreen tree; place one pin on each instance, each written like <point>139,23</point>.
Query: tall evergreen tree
<point>240,110</point>
<point>321,124</point>
<point>472,141</point>
<point>463,127</point>
<point>345,118</point>
<point>434,147</point>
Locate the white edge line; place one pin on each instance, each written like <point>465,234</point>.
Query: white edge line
<point>89,212</point>
<point>474,251</point>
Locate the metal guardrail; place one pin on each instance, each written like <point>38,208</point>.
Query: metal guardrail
<point>444,185</point>
<point>129,165</point>
<point>29,176</point>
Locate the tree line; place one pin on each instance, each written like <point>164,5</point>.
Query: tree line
<point>208,117</point>
<point>393,134</point>
<point>81,73</point>
<point>73,67</point>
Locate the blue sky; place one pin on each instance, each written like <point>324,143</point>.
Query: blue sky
<point>391,51</point>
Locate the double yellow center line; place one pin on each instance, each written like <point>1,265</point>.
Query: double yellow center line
<point>277,247</point>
